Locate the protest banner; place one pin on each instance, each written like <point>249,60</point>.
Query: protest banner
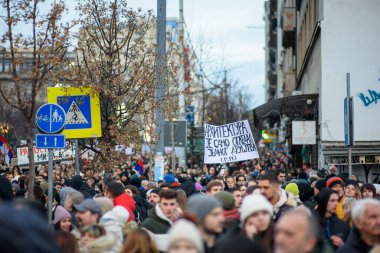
<point>41,155</point>
<point>229,143</point>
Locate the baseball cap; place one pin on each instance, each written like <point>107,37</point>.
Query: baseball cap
<point>88,205</point>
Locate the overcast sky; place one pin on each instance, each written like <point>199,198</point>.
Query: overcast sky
<point>235,32</point>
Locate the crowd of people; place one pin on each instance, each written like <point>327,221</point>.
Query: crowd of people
<point>252,206</point>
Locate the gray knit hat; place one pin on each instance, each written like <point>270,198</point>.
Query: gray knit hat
<point>200,205</point>
<point>226,199</point>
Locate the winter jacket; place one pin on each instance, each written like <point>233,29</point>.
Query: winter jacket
<point>158,225</point>
<point>104,244</point>
<point>141,209</point>
<point>78,184</point>
<point>333,226</point>
<point>286,202</point>
<point>323,247</point>
<point>354,243</point>
<point>127,202</point>
<point>232,220</point>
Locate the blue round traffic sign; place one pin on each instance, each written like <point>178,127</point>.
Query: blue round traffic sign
<point>50,118</point>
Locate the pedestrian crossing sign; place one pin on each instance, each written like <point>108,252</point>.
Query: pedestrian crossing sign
<point>82,109</point>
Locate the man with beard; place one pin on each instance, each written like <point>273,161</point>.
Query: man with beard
<point>88,213</point>
<point>279,198</point>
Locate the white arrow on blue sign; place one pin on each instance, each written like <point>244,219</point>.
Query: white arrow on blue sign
<point>50,140</point>
<point>50,118</point>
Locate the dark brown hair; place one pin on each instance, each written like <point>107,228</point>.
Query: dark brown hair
<point>66,242</point>
<point>213,183</point>
<point>167,194</point>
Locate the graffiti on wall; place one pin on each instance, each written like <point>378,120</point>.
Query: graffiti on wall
<point>371,97</point>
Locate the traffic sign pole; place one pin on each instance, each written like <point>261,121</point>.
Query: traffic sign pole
<point>50,185</point>
<point>77,157</point>
<point>50,119</point>
<point>349,126</point>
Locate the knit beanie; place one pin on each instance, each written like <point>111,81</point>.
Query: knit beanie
<point>184,230</point>
<point>333,181</point>
<point>169,178</point>
<point>254,203</point>
<point>320,184</point>
<point>227,199</point>
<point>105,203</point>
<point>292,188</point>
<point>201,205</point>
<point>155,190</point>
<point>60,213</point>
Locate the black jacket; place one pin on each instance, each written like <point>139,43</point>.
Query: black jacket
<point>354,243</point>
<point>333,226</point>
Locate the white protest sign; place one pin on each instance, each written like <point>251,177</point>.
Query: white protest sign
<point>229,143</point>
<point>41,155</point>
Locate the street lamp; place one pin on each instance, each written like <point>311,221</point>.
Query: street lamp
<point>4,128</point>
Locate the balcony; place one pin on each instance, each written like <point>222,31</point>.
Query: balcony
<point>288,26</point>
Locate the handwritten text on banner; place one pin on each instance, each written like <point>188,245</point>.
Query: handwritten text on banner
<point>229,143</point>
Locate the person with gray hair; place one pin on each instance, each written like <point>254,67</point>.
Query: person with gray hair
<point>365,234</point>
<point>297,232</point>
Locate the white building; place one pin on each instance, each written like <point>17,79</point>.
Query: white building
<point>335,37</point>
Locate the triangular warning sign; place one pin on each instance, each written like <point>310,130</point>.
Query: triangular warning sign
<point>74,115</point>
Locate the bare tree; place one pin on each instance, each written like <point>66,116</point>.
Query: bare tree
<point>116,58</point>
<point>33,56</point>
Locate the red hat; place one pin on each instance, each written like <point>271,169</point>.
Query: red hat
<point>333,181</point>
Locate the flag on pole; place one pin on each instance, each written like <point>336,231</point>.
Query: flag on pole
<point>6,150</point>
<point>139,166</point>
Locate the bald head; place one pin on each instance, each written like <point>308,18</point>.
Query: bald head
<point>295,232</point>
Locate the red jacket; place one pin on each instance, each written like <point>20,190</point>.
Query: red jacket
<point>127,202</point>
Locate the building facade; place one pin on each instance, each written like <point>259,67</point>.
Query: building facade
<point>326,40</point>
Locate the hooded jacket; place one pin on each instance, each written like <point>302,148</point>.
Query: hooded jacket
<point>127,202</point>
<point>78,184</point>
<point>286,202</point>
<point>332,225</point>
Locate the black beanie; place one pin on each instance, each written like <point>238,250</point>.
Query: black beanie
<point>320,184</point>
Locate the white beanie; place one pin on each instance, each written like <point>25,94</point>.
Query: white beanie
<point>254,203</point>
<point>186,231</point>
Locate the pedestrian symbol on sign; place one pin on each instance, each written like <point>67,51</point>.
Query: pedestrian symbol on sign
<point>50,118</point>
<point>78,111</point>
<point>75,116</point>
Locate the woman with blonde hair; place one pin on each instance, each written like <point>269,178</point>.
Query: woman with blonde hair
<point>139,241</point>
<point>352,190</point>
